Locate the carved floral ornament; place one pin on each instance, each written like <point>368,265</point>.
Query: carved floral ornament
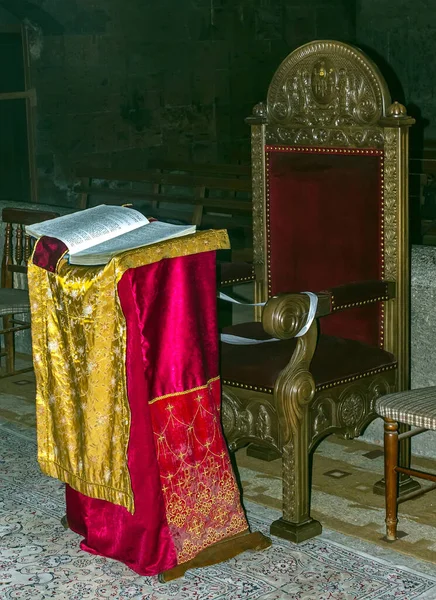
<point>326,93</point>
<point>352,408</point>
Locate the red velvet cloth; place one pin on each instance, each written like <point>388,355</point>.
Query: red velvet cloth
<point>186,497</point>
<point>325,216</point>
<point>175,310</point>
<point>142,540</point>
<point>47,253</point>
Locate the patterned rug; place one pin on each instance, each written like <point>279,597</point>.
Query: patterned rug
<point>344,472</point>
<point>39,559</point>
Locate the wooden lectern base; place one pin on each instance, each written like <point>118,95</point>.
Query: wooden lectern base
<point>219,552</point>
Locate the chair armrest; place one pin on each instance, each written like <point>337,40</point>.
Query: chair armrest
<point>359,294</point>
<point>232,273</point>
<point>285,315</point>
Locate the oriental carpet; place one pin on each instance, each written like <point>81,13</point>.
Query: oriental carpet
<point>343,475</point>
<point>39,559</point>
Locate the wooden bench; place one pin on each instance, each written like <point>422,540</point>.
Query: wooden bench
<point>208,196</point>
<point>218,191</point>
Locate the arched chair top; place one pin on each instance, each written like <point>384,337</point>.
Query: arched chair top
<point>330,88</point>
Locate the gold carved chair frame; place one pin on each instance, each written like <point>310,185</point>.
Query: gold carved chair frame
<point>325,97</point>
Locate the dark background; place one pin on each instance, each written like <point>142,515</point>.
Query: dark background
<point>119,81</point>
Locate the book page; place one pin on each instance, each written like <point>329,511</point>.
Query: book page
<point>86,228</point>
<point>150,233</point>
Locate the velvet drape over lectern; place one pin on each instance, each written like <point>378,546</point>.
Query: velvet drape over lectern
<point>128,399</point>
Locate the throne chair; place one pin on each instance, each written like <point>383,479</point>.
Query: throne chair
<point>330,216</point>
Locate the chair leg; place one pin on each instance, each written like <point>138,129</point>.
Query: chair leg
<point>296,524</point>
<point>406,484</point>
<point>391,477</point>
<point>9,346</point>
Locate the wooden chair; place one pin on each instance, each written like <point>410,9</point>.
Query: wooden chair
<point>330,215</point>
<point>16,252</point>
<point>416,408</point>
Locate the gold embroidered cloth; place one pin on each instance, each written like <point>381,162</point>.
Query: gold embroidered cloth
<point>79,347</point>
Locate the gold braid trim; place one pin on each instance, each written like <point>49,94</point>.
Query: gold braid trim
<point>195,389</point>
<point>319,387</point>
<point>202,241</point>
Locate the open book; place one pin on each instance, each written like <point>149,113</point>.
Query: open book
<point>95,235</point>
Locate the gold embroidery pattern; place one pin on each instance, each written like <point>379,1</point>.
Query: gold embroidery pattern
<point>79,347</point>
<point>201,495</point>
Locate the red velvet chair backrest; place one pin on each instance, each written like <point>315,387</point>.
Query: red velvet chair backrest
<point>324,218</point>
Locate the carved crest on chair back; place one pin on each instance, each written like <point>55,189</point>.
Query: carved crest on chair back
<point>327,93</point>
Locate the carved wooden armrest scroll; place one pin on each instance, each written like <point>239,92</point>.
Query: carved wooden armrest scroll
<point>286,314</point>
<point>283,317</point>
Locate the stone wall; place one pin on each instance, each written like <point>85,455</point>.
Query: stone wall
<point>7,18</point>
<point>118,82</point>
<point>401,36</point>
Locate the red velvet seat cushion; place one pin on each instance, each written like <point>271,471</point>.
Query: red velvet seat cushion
<point>258,365</point>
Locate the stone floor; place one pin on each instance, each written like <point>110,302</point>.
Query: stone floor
<point>41,560</point>
<point>344,473</point>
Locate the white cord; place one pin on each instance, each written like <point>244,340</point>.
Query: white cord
<point>238,340</point>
